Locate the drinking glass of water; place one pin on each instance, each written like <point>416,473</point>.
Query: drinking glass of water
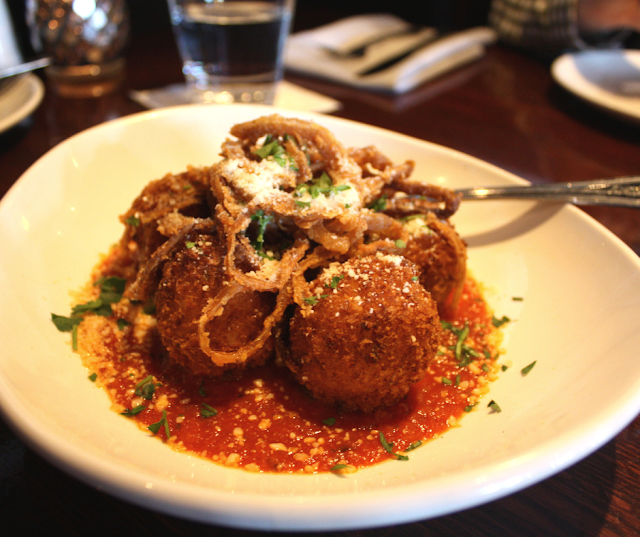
<point>232,50</point>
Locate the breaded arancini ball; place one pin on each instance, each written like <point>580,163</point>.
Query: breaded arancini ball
<point>185,193</point>
<point>190,279</point>
<point>369,333</point>
<point>440,254</point>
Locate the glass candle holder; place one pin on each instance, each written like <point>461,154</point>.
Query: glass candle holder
<point>85,40</point>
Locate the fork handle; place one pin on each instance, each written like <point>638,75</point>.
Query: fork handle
<point>621,192</point>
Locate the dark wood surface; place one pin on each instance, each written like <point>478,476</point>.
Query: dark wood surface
<point>504,109</point>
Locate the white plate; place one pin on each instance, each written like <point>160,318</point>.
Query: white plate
<point>20,101</point>
<point>609,79</point>
<point>580,319</point>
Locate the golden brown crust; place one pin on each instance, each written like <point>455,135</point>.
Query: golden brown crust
<point>226,250</point>
<point>193,277</point>
<point>363,344</point>
<point>185,193</point>
<point>441,255</point>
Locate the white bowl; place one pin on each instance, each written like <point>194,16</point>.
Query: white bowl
<point>580,319</point>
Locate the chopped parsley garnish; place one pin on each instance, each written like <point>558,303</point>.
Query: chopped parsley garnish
<point>208,411</point>
<point>412,217</point>
<point>65,324</point>
<point>122,323</point>
<point>379,205</point>
<point>133,221</point>
<point>464,353</point>
<point>525,371</point>
<point>68,324</point>
<point>263,220</point>
<point>133,411</point>
<point>146,388</point>
<point>93,306</point>
<point>339,467</point>
<point>414,278</point>
<point>461,334</point>
<point>446,381</point>
<point>499,322</point>
<point>145,381</point>
<point>401,244</point>
<point>504,368</point>
<point>189,244</point>
<point>274,149</point>
<point>388,447</point>
<point>319,185</point>
<point>93,377</point>
<point>470,407</point>
<point>414,445</point>
<point>336,188</point>
<point>155,427</point>
<point>111,289</point>
<point>313,300</point>
<point>302,204</point>
<point>494,406</point>
<point>264,255</point>
<point>335,281</point>
<point>465,361</point>
<point>517,298</point>
<point>329,422</point>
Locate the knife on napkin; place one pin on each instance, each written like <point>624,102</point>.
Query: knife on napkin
<point>392,54</point>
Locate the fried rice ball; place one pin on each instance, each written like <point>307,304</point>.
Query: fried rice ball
<point>189,280</point>
<point>185,193</point>
<point>369,334</point>
<point>440,254</point>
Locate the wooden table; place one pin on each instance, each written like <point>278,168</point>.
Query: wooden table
<point>504,109</point>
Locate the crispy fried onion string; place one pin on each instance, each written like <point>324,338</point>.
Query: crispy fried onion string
<point>387,234</point>
<point>215,307</point>
<point>142,287</point>
<point>328,226</point>
<point>444,230</point>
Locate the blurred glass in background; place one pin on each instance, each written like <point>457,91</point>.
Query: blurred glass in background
<point>85,39</point>
<point>232,50</point>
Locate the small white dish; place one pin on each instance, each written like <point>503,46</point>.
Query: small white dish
<point>579,318</point>
<point>609,79</point>
<point>19,101</point>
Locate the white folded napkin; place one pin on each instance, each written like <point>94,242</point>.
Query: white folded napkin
<point>289,96</point>
<point>339,51</point>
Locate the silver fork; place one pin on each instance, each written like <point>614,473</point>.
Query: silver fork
<point>620,192</point>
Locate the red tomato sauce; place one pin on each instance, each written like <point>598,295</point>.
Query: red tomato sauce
<point>265,421</point>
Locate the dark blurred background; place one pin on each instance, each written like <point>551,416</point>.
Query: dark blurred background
<point>152,16</point>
